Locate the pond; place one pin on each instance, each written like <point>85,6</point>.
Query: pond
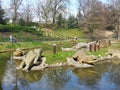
<point>104,76</point>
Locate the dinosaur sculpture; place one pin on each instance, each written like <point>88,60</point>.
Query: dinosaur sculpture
<point>32,58</point>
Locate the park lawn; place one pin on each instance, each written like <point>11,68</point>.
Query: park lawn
<point>115,46</point>
<point>67,33</point>
<point>44,45</point>
<point>8,46</point>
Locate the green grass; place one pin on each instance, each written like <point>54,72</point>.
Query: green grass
<point>44,45</point>
<point>101,52</point>
<point>115,46</point>
<point>30,37</point>
<point>58,57</point>
<point>66,33</point>
<point>69,33</point>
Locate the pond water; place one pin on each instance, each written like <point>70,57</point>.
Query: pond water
<point>104,76</point>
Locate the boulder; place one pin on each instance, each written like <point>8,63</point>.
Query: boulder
<point>18,52</point>
<point>116,55</point>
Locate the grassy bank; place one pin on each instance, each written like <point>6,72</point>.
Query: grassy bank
<point>46,46</point>
<point>101,52</point>
<point>29,34</point>
<point>69,33</point>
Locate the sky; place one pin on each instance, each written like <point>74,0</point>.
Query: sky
<point>5,3</point>
<point>73,7</point>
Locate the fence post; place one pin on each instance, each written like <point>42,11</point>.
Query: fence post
<point>109,42</point>
<point>90,47</point>
<point>54,48</point>
<point>95,47</point>
<point>98,46</point>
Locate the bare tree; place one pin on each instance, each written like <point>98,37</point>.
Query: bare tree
<point>91,15</point>
<point>58,6</point>
<point>46,10</point>
<point>28,13</point>
<point>83,6</point>
<point>114,3</point>
<point>15,4</point>
<point>114,8</point>
<point>43,10</point>
<point>50,9</point>
<point>91,12</point>
<point>38,9</point>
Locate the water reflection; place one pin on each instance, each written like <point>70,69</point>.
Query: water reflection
<point>3,59</point>
<point>100,77</point>
<point>56,78</point>
<point>114,74</point>
<point>18,80</point>
<point>89,77</point>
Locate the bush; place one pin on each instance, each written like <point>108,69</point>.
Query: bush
<point>21,22</point>
<point>72,22</point>
<point>10,28</point>
<point>110,27</point>
<point>85,31</point>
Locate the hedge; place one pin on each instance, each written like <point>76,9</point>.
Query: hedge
<point>11,28</point>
